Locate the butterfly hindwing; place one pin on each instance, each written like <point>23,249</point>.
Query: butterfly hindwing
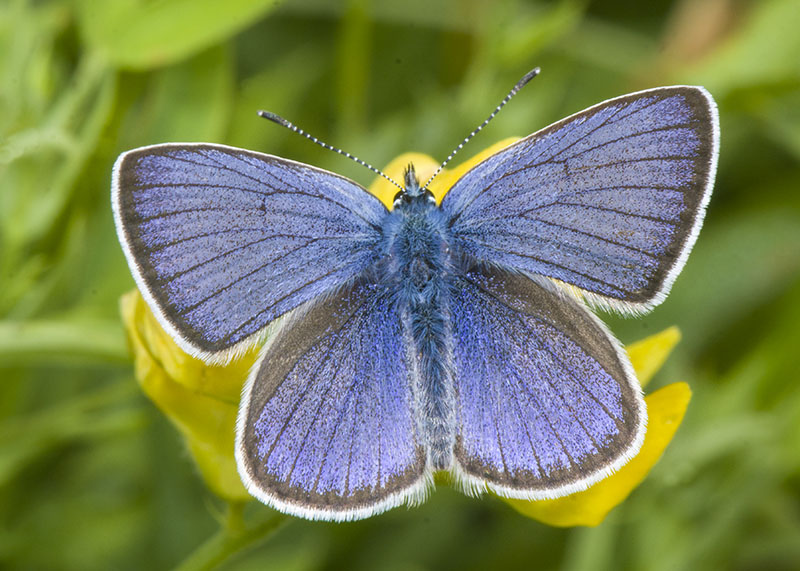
<point>222,241</point>
<point>547,401</point>
<point>326,428</point>
<point>609,200</point>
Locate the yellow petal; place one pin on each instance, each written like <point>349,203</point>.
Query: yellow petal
<point>200,400</point>
<point>222,382</point>
<point>648,355</point>
<point>448,177</point>
<point>385,190</point>
<point>665,409</point>
<point>425,166</point>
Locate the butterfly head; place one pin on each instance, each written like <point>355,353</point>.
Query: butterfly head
<point>412,192</point>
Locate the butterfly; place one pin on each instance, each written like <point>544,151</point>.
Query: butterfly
<point>428,337</point>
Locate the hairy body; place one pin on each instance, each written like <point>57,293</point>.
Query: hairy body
<point>419,262</point>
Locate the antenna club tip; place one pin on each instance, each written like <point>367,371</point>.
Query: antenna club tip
<point>274,118</point>
<point>528,76</point>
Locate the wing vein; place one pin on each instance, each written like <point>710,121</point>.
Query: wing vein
<point>585,233</point>
<point>603,209</point>
<point>308,386</point>
<point>232,231</point>
<point>277,301</point>
<point>571,372</point>
<point>236,249</point>
<point>618,139</point>
<point>612,118</point>
<point>547,263</point>
<point>296,190</point>
<point>336,427</point>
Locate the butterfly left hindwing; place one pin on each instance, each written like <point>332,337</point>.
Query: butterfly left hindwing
<point>547,401</point>
<point>327,425</point>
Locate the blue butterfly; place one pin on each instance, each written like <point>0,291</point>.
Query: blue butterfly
<point>427,337</point>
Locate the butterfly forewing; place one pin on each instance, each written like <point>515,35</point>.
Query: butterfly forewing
<point>327,428</point>
<point>609,200</point>
<point>222,241</point>
<point>547,401</point>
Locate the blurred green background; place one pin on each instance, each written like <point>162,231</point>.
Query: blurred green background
<point>92,476</point>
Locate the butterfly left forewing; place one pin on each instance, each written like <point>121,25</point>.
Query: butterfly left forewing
<point>221,241</point>
<point>326,428</point>
<point>547,402</point>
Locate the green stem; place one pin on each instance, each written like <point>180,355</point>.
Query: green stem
<point>232,539</point>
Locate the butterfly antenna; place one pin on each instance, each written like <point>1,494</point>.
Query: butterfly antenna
<point>283,122</point>
<point>520,84</point>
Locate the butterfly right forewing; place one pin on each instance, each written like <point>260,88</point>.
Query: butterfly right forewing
<point>609,200</point>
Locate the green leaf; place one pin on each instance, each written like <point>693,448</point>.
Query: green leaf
<point>39,182</point>
<point>765,49</point>
<point>86,340</point>
<point>142,34</point>
<point>781,115</point>
<point>88,416</point>
<point>545,25</point>
<point>171,109</point>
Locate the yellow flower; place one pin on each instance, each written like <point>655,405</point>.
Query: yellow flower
<point>202,400</point>
<point>665,410</point>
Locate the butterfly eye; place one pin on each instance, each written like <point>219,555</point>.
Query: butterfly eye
<point>401,197</point>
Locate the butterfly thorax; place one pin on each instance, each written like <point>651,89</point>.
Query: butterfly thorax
<point>418,260</point>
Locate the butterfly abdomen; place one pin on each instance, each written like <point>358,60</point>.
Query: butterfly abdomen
<point>418,256</point>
